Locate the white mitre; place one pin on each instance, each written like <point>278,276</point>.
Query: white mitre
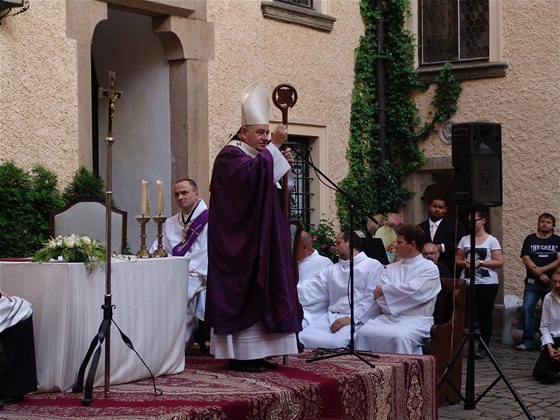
<point>254,106</point>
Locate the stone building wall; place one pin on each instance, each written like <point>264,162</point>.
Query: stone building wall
<point>38,90</point>
<point>526,102</point>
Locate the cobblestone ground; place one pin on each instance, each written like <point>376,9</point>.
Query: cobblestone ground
<point>542,401</point>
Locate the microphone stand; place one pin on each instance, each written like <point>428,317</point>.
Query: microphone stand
<point>470,338</point>
<point>352,205</point>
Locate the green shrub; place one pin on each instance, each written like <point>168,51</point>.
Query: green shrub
<point>26,200</point>
<point>84,184</point>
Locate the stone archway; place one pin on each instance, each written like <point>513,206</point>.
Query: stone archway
<point>188,41</point>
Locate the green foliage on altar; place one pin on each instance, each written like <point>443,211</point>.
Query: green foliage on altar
<point>72,248</point>
<point>377,169</point>
<point>26,200</point>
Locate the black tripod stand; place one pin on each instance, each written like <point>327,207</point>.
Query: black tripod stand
<point>471,338</point>
<point>104,333</point>
<point>350,348</point>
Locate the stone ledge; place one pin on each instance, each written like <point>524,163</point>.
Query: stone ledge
<point>464,71</point>
<point>297,15</point>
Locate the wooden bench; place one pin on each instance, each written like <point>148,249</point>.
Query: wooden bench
<point>446,336</point>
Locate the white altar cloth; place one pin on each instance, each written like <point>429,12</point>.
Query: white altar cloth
<point>150,308</point>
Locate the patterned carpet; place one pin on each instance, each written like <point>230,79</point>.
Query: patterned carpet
<point>398,387</point>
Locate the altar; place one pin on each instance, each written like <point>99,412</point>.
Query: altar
<point>149,298</point>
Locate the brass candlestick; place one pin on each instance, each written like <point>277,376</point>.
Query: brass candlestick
<point>143,251</point>
<point>159,252</point>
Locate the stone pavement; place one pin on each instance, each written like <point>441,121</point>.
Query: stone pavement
<point>542,401</point>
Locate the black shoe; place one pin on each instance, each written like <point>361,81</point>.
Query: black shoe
<point>253,366</point>
<point>267,364</point>
<point>13,400</point>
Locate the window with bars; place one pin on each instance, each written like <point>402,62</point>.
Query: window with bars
<point>300,198</point>
<point>453,30</point>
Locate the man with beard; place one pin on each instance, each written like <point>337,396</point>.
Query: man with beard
<point>540,256</point>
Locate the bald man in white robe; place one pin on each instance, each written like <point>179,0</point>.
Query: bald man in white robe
<point>405,298</point>
<point>332,329</point>
<point>178,230</point>
<point>310,263</point>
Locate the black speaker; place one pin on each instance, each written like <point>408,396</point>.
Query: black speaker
<point>477,164</point>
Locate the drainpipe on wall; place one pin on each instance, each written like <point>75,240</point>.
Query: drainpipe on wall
<point>380,82</point>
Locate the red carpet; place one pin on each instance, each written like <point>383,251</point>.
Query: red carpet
<point>398,387</point>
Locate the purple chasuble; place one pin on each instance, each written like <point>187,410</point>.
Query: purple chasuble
<point>249,248</point>
<point>193,231</point>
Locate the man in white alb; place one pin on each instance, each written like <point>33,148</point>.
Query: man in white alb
<point>18,374</point>
<point>185,234</point>
<point>310,263</point>
<point>406,297</point>
<point>332,329</point>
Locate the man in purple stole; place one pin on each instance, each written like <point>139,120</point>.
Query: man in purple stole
<point>251,300</point>
<point>185,234</point>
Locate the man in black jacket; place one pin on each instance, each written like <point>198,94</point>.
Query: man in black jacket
<point>444,232</point>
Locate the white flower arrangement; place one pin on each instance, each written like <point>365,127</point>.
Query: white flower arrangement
<point>72,248</point>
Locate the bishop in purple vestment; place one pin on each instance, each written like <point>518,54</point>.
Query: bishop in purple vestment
<point>251,298</point>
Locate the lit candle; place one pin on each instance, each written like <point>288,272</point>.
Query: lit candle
<point>159,195</point>
<point>144,198</point>
<point>148,207</point>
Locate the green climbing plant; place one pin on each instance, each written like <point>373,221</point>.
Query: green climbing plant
<point>376,171</point>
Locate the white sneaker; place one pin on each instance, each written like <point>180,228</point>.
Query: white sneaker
<point>521,347</point>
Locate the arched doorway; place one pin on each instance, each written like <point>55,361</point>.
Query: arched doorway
<point>160,54</point>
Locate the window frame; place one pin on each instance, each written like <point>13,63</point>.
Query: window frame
<point>299,15</point>
<point>495,66</point>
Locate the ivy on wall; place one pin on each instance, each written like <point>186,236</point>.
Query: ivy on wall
<point>375,177</point>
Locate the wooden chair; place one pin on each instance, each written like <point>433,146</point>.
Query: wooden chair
<point>87,217</point>
<point>446,336</point>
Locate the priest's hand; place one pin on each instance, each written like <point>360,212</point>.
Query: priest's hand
<point>378,291</point>
<point>6,295</point>
<point>339,323</point>
<point>280,135</point>
<point>288,155</point>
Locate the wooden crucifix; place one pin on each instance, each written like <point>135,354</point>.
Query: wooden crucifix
<point>113,95</point>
